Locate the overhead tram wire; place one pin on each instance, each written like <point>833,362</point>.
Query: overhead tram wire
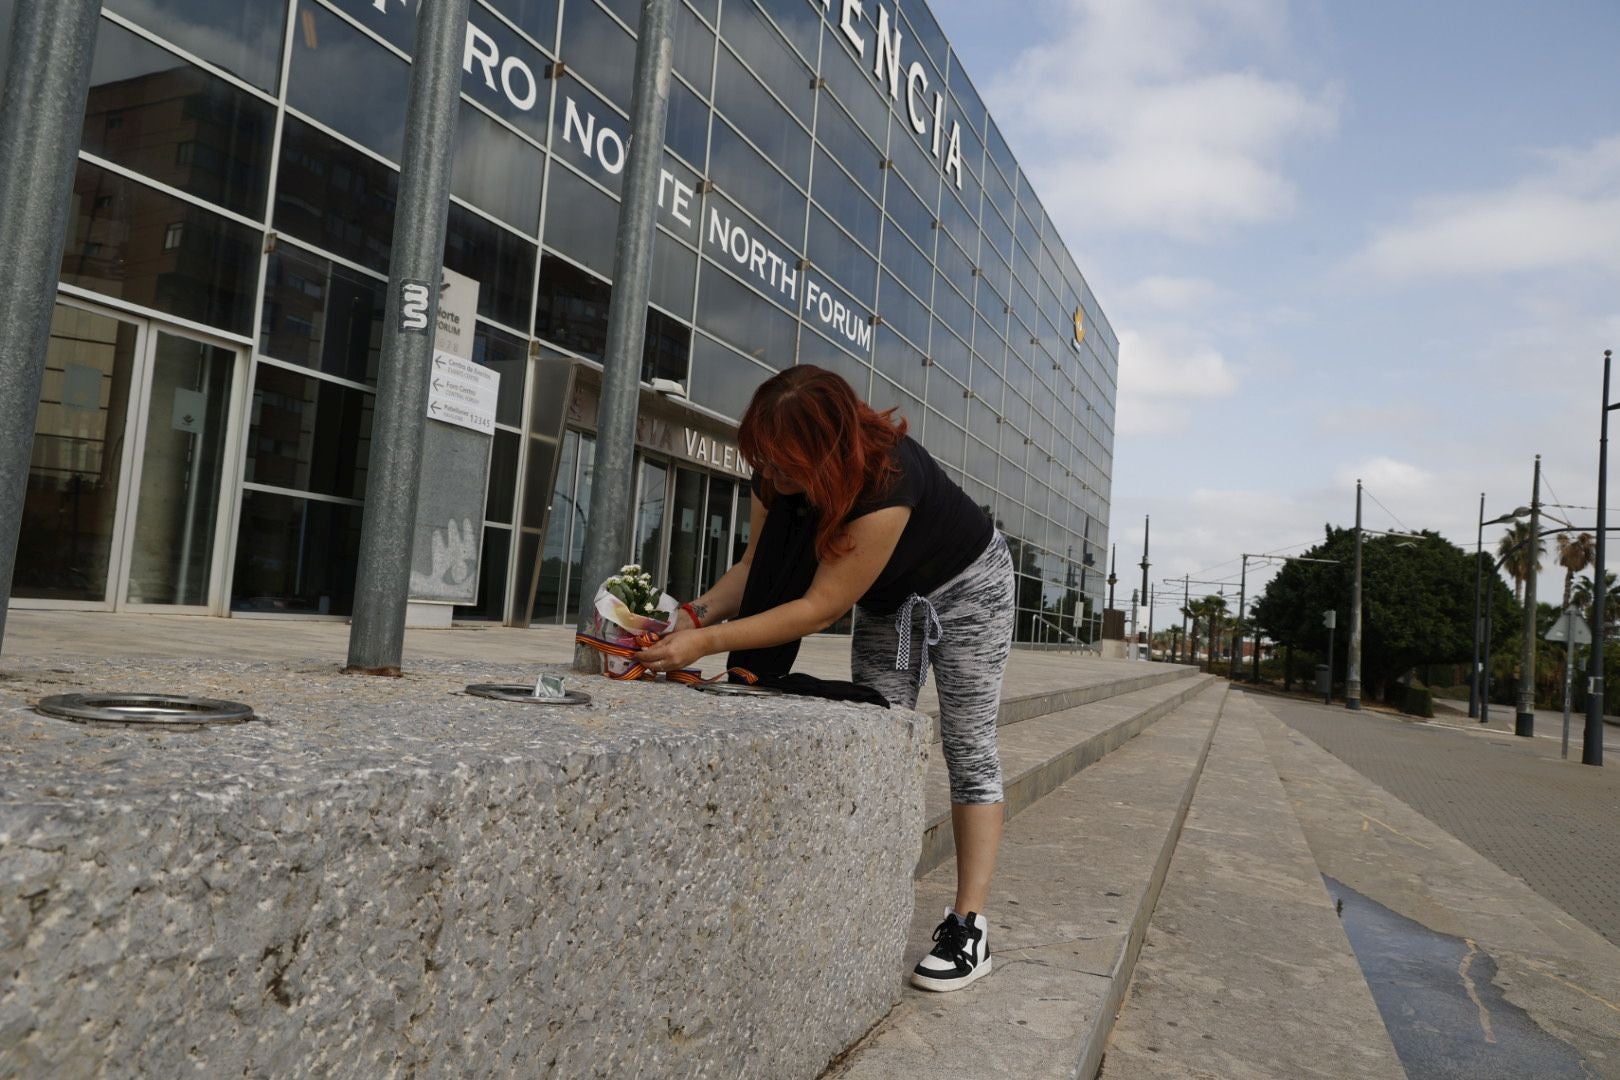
<point>1385,509</point>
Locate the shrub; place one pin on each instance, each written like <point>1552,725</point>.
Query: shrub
<point>1414,700</point>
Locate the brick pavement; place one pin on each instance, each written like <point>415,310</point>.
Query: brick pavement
<point>1554,824</point>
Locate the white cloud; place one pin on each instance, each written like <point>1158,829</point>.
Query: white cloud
<point>1388,476</point>
<point>1159,372</point>
<point>1565,216</point>
<point>1176,295</point>
<point>1128,119</point>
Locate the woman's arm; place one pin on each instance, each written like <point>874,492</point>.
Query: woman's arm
<point>833,591</point>
<point>723,601</point>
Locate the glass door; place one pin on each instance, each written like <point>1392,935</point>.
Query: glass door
<point>78,475</point>
<point>717,531</point>
<point>685,535</point>
<point>647,534</point>
<point>172,544</point>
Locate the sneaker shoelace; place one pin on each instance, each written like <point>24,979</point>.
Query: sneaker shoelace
<point>951,939</point>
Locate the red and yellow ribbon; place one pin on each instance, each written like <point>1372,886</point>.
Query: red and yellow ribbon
<point>689,676</point>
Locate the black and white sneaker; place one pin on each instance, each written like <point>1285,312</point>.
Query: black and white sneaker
<point>961,954</point>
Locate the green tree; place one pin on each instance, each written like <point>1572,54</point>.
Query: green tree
<point>1417,604</point>
<point>1514,550</point>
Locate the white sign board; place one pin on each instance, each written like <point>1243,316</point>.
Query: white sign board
<point>1570,626</point>
<point>461,392</point>
<point>189,409</point>
<point>458,313</point>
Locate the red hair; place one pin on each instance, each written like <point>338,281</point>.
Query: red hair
<point>808,424</point>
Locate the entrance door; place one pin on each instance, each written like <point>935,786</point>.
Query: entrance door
<point>686,535</point>
<point>182,463</point>
<point>123,503</point>
<point>717,531</point>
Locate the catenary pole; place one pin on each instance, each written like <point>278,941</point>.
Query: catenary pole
<point>1234,669</point>
<point>1150,622</point>
<point>41,116</point>
<point>1186,602</point>
<point>1592,740</point>
<point>1352,674</point>
<point>607,540</point>
<point>1479,584</point>
<point>383,579</point>
<point>1524,722</point>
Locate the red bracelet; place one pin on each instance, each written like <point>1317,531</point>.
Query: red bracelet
<point>697,623</point>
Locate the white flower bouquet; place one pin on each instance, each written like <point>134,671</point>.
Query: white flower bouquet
<point>628,604</point>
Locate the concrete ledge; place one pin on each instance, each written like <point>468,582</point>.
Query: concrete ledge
<point>391,877</point>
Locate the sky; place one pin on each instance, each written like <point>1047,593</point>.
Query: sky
<point>1337,240</point>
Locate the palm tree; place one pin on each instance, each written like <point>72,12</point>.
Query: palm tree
<point>1209,609</point>
<point>1582,596</point>
<point>1515,553</point>
<point>1574,556</point>
<point>1191,611</point>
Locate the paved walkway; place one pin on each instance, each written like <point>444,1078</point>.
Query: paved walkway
<point>1549,822</point>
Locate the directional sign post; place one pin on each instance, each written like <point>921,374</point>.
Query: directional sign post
<point>448,540</point>
<point>1573,630</point>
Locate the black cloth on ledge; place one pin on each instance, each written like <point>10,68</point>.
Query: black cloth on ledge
<point>783,567</point>
<point>797,682</point>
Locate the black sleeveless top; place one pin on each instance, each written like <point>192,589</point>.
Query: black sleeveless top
<point>946,532</point>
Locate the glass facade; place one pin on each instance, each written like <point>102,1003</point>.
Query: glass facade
<point>833,192</point>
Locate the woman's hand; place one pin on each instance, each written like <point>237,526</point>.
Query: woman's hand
<point>679,650</point>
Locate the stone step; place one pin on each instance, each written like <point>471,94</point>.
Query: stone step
<point>1015,709</point>
<point>1042,750</point>
<point>1076,883</point>
<point>1246,970</point>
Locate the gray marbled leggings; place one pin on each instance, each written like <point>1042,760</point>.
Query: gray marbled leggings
<point>963,630</point>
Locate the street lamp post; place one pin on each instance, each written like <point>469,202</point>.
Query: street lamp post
<point>1475,708</point>
<point>1479,583</point>
<point>1147,523</point>
<point>1592,744</point>
<point>1113,575</point>
<point>1524,723</point>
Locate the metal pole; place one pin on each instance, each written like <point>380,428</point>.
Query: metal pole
<point>1569,674</point>
<point>1352,675</point>
<point>1134,630</point>
<point>1186,602</point>
<point>1479,583</point>
<point>1592,739</point>
<point>1112,574</point>
<point>1150,623</point>
<point>1327,696</point>
<point>1234,669</point>
<point>41,116</point>
<point>607,542</point>
<point>383,579</point>
<point>1524,723</point>
<point>1146,525</point>
<point>1485,688</point>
